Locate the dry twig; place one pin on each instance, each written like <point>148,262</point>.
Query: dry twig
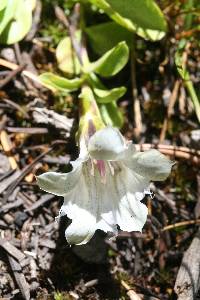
<point>7,147</point>
<point>20,278</point>
<point>11,75</point>
<point>130,292</point>
<point>180,224</point>
<point>12,250</point>
<point>171,104</point>
<point>188,278</point>
<point>136,101</point>
<point>180,152</point>
<point>28,74</point>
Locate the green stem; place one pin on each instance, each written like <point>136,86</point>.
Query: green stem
<point>193,95</point>
<point>90,119</point>
<point>89,105</point>
<point>189,17</point>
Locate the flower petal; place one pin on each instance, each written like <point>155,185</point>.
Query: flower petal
<point>122,205</point>
<point>60,183</point>
<point>151,164</point>
<point>106,144</point>
<point>92,207</point>
<point>130,213</point>
<point>85,205</point>
<point>82,228</point>
<point>79,207</point>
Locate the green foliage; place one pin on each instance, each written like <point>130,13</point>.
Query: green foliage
<point>54,31</point>
<point>143,17</point>
<point>15,20</point>
<point>66,58</point>
<point>107,96</point>
<point>3,4</point>
<point>179,61</point>
<point>7,13</point>
<point>183,72</point>
<point>108,65</point>
<point>50,27</point>
<point>111,114</point>
<point>144,13</point>
<point>62,296</point>
<point>112,41</point>
<point>61,83</point>
<point>58,296</point>
<point>105,36</point>
<point>111,62</point>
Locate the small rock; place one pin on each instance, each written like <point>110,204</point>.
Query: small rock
<point>20,218</point>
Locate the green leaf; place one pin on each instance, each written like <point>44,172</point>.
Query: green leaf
<point>3,4</point>
<point>107,96</point>
<point>144,13</point>
<point>7,14</point>
<point>141,16</point>
<point>102,94</point>
<point>15,21</point>
<point>66,58</point>
<point>111,62</point>
<point>61,83</point>
<point>111,114</point>
<point>95,82</point>
<point>106,35</point>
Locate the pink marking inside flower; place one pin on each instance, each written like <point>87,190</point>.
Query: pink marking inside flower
<point>101,167</point>
<point>91,128</point>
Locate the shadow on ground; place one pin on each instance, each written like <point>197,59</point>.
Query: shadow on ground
<point>74,266</point>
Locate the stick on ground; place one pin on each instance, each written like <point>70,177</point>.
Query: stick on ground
<point>188,278</point>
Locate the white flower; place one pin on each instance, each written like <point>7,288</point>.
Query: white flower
<point>106,186</point>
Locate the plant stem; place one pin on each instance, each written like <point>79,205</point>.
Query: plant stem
<point>193,95</point>
<point>63,19</point>
<point>88,105</point>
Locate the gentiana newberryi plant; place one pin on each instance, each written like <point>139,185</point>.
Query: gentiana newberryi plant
<point>105,188</point>
<point>110,178</point>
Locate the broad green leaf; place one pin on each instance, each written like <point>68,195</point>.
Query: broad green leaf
<point>106,35</point>
<point>102,94</point>
<point>111,114</point>
<point>7,13</point>
<point>144,13</point>
<point>107,96</point>
<point>66,58</point>
<point>149,34</point>
<point>17,20</point>
<point>95,82</point>
<point>111,62</point>
<point>3,4</point>
<point>60,83</point>
<point>141,16</point>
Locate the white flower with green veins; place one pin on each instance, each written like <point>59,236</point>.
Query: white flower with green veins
<point>106,185</point>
